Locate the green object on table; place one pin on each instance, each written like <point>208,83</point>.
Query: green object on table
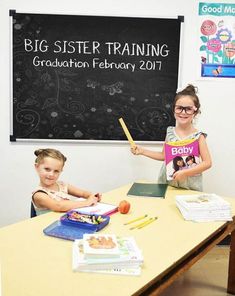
<point>148,190</point>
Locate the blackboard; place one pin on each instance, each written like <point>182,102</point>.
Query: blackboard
<point>74,76</point>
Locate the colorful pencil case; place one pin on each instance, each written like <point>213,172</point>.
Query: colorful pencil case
<point>71,227</point>
<point>92,222</point>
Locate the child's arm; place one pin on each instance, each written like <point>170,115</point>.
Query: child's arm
<point>204,165</point>
<point>137,150</point>
<point>42,200</point>
<point>72,190</point>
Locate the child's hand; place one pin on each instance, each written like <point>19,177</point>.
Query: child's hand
<point>91,200</point>
<point>180,175</point>
<point>137,150</point>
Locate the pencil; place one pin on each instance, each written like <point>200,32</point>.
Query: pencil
<point>140,224</point>
<point>137,219</point>
<point>148,222</point>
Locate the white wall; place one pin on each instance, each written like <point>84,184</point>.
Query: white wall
<point>102,167</point>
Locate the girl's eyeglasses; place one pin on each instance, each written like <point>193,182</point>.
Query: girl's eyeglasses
<point>190,110</point>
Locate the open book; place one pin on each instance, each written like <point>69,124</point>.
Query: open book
<point>181,155</point>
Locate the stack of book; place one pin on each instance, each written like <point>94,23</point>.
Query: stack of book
<point>104,253</point>
<point>204,207</point>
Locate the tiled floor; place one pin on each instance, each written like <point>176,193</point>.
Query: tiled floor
<point>208,277</point>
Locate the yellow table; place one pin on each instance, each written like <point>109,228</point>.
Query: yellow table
<point>33,264</point>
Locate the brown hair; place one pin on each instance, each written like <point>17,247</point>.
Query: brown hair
<point>191,91</point>
<point>48,152</point>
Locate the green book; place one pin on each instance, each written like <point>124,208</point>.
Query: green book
<point>148,190</point>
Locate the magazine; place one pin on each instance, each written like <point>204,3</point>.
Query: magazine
<point>181,155</point>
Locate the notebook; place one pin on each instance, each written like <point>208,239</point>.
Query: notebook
<point>148,190</point>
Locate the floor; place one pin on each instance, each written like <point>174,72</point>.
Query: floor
<point>208,277</point>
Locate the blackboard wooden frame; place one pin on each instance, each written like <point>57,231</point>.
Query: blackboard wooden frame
<point>76,88</point>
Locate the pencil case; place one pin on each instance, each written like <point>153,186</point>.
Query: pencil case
<point>92,222</point>
<point>72,225</point>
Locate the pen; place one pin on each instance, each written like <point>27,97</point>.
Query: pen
<point>148,222</point>
<point>137,219</point>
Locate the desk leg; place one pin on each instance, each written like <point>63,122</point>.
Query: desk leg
<point>231,268</point>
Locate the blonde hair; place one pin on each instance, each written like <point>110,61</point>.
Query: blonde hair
<point>48,152</point>
<point>191,91</point>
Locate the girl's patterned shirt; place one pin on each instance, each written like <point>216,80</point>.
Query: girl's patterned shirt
<point>61,194</point>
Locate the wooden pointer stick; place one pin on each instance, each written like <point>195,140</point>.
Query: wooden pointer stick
<point>127,133</point>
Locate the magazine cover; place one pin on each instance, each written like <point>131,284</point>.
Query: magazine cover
<point>181,155</point>
<point>100,245</point>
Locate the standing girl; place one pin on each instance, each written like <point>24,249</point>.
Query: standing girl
<point>54,195</point>
<point>185,107</point>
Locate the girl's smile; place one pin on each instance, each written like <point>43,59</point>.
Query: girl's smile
<point>183,105</point>
<point>49,171</point>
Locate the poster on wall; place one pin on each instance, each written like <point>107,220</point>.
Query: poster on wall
<point>217,40</point>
